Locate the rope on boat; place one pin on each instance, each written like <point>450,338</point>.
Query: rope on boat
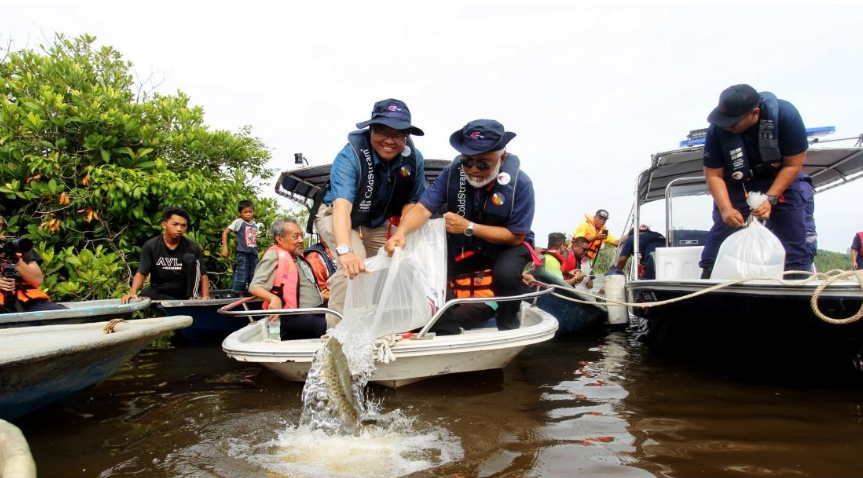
<point>109,327</point>
<point>827,277</point>
<point>384,347</point>
<point>858,274</point>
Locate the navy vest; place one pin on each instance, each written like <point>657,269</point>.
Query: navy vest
<point>369,201</point>
<point>738,166</point>
<point>495,208</point>
<point>318,248</point>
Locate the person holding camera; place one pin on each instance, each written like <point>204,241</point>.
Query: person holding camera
<point>21,276</point>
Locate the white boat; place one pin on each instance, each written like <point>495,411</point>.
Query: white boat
<point>81,312</point>
<point>757,316</point>
<point>44,364</point>
<point>417,356</point>
<point>15,458</point>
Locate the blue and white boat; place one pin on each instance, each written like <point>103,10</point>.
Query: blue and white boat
<point>82,312</point>
<point>207,323</point>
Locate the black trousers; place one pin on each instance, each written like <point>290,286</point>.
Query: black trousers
<point>506,271</point>
<point>305,326</point>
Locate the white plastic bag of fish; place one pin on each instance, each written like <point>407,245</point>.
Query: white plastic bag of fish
<point>401,292</point>
<point>751,252</point>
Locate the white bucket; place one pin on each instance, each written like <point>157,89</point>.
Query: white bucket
<point>615,289</point>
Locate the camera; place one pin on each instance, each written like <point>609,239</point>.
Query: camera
<point>9,246</point>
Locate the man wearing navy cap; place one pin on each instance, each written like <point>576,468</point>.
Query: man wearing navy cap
<point>755,142</point>
<point>490,206</point>
<point>374,179</point>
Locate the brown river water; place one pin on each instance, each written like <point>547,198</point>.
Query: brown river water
<point>597,405</point>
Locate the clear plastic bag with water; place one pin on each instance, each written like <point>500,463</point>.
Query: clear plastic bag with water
<point>401,292</point>
<point>751,252</point>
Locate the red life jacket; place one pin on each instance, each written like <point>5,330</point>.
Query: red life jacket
<point>567,259</point>
<point>286,283</point>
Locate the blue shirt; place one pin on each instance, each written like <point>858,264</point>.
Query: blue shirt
<point>520,220</point>
<point>345,176</point>
<point>855,244</point>
<point>792,138</point>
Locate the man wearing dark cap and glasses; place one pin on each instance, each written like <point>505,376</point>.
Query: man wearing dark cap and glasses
<point>374,179</point>
<point>755,142</point>
<point>490,206</point>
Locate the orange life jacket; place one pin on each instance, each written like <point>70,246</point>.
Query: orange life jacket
<point>473,284</point>
<point>286,282</point>
<point>25,293</point>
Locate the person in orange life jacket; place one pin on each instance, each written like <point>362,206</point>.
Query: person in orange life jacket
<point>593,229</point>
<point>20,278</point>
<point>648,241</point>
<point>755,142</point>
<point>323,263</point>
<point>175,264</point>
<point>284,280</point>
<point>374,179</point>
<point>490,208</point>
<point>558,261</point>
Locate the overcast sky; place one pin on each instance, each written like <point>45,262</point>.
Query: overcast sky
<point>591,92</point>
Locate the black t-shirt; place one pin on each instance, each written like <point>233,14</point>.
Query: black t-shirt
<point>165,266</point>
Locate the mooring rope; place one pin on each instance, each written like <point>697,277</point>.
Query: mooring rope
<point>384,348</point>
<point>109,327</point>
<point>828,278</point>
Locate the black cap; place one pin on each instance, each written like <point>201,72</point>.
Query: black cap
<point>480,136</point>
<point>393,113</point>
<point>734,103</point>
<point>602,213</point>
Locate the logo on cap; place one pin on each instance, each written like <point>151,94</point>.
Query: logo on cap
<point>405,172</point>
<point>476,135</point>
<point>393,108</point>
<point>503,179</point>
<point>497,199</point>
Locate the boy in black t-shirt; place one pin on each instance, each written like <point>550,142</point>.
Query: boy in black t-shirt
<point>175,264</point>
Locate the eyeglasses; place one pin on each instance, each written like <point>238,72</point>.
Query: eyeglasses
<point>396,136</point>
<point>469,163</point>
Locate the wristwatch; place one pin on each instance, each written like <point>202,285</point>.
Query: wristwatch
<point>773,199</point>
<point>468,231</point>
<point>343,249</point>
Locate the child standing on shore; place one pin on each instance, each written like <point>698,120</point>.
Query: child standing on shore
<point>247,245</point>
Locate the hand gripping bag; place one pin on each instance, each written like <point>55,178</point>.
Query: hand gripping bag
<point>749,253</point>
<point>401,292</point>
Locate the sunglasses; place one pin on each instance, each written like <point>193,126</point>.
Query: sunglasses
<point>469,163</point>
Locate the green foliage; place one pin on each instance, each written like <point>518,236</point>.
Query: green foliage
<point>603,260</point>
<point>829,260</point>
<point>88,160</point>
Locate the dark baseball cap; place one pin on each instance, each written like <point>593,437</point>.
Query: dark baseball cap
<point>480,136</point>
<point>602,213</point>
<point>393,113</point>
<point>734,103</point>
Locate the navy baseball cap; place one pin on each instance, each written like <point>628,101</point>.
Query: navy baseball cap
<point>392,113</point>
<point>734,103</point>
<point>602,213</point>
<point>480,136</point>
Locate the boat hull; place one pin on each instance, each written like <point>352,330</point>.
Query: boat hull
<point>84,312</point>
<point>41,365</point>
<point>764,315</point>
<point>571,316</point>
<point>472,351</point>
<point>207,323</point>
